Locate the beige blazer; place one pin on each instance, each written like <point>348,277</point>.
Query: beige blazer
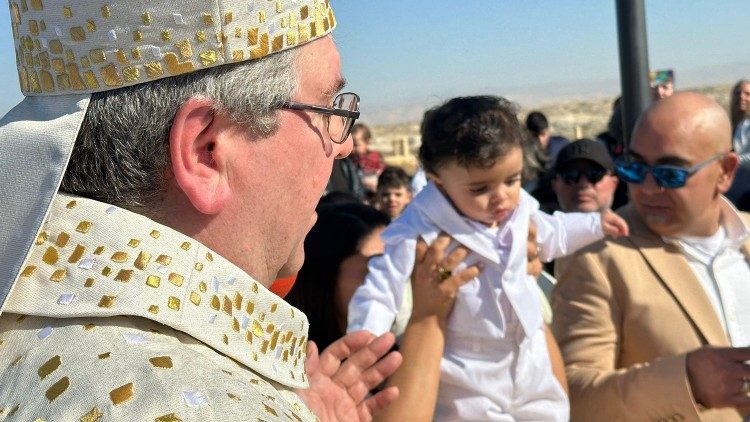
<point>626,312</point>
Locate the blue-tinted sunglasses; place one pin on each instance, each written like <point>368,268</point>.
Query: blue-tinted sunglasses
<point>666,176</point>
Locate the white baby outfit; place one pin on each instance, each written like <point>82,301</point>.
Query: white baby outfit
<point>495,365</point>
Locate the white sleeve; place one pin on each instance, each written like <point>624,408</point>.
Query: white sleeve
<point>562,233</point>
<point>376,302</point>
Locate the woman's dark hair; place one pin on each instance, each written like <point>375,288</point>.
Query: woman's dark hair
<point>336,235</point>
<point>475,131</point>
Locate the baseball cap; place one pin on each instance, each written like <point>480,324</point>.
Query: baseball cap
<point>585,149</point>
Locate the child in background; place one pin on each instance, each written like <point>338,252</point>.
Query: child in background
<point>394,191</point>
<point>496,364</point>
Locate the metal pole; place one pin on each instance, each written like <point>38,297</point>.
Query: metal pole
<point>631,34</point>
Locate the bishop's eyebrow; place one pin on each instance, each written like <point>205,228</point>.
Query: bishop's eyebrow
<point>337,86</point>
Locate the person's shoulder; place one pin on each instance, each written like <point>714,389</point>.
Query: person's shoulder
<point>117,367</point>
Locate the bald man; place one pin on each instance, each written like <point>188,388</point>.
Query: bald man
<point>655,326</point>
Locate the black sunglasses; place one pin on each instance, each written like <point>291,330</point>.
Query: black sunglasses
<point>572,175</point>
<point>666,176</point>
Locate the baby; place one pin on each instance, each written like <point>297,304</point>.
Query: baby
<point>496,364</point>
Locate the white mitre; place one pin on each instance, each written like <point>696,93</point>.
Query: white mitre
<point>67,50</point>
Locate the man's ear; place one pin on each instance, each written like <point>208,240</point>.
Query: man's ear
<point>193,138</point>
<point>729,168</point>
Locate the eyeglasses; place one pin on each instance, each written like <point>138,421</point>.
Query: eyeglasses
<point>572,175</point>
<point>338,119</point>
<point>670,177</point>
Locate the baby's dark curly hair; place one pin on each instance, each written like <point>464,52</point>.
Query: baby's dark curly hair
<point>474,131</point>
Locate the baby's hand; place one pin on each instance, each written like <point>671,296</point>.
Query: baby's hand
<point>613,225</point>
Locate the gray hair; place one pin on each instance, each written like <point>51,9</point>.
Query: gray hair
<point>121,155</point>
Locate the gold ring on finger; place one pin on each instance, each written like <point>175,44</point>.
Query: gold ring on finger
<point>444,273</point>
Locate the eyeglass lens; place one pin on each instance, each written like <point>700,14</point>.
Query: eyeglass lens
<point>571,176</point>
<point>339,127</point>
<point>666,177</point>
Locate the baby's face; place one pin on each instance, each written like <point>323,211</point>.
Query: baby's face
<point>487,195</point>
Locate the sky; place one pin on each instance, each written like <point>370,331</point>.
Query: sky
<point>401,56</point>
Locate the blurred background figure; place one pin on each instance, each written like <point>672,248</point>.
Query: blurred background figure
<point>662,83</point>
<point>739,112</point>
<point>537,124</point>
<point>394,191</point>
<point>337,249</point>
<point>584,178</point>
<point>345,179</point>
<point>369,162</point>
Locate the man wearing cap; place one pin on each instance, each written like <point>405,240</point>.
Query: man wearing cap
<point>662,83</point>
<point>654,326</point>
<point>584,177</point>
<point>162,170</point>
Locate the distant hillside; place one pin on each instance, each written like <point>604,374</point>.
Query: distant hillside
<point>571,119</point>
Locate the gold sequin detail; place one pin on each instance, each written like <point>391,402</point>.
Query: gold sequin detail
<point>226,339</point>
<point>209,257</point>
<point>198,266</point>
<point>77,254</point>
<point>250,307</point>
<point>83,227</point>
<point>166,35</point>
<point>146,17</point>
<point>235,325</point>
<point>106,271</point>
<point>176,279</point>
<point>105,355</point>
<point>37,5</point>
<point>110,75</point>
<point>137,36</point>
<point>121,394</point>
<point>50,256</point>
<point>208,57</point>
<point>200,36</point>
<point>67,12</point>
<point>99,250</point>
<point>153,281</point>
<point>227,306</point>
<point>90,26</point>
<point>92,415</point>
<point>62,239</point>
<point>136,53</point>
<point>173,303</point>
<point>57,388</point>
<point>119,257</point>
<point>233,397</point>
<point>77,34</point>
<point>153,70</point>
<point>106,12</point>
<point>262,16</point>
<point>28,271</point>
<point>237,301</point>
<point>70,205</point>
<point>202,287</point>
<point>89,327</point>
<point>161,362</point>
<point>254,287</point>
<point>257,329</point>
<point>142,259</point>
<point>49,367</point>
<point>274,307</point>
<point>41,238</point>
<point>89,282</point>
<point>164,260</point>
<point>133,243</point>
<point>186,50</point>
<point>228,17</point>
<point>185,246</point>
<point>195,298</point>
<point>107,301</point>
<point>270,410</point>
<point>58,275</point>
<point>124,275</point>
<point>17,361</point>
<point>238,55</point>
<point>208,19</point>
<point>215,303</point>
<point>153,309</point>
<point>155,234</point>
<point>170,417</point>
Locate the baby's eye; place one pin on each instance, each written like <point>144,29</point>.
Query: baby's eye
<point>513,180</point>
<point>478,189</point>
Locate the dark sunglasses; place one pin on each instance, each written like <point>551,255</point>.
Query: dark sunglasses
<point>666,176</point>
<point>572,175</point>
